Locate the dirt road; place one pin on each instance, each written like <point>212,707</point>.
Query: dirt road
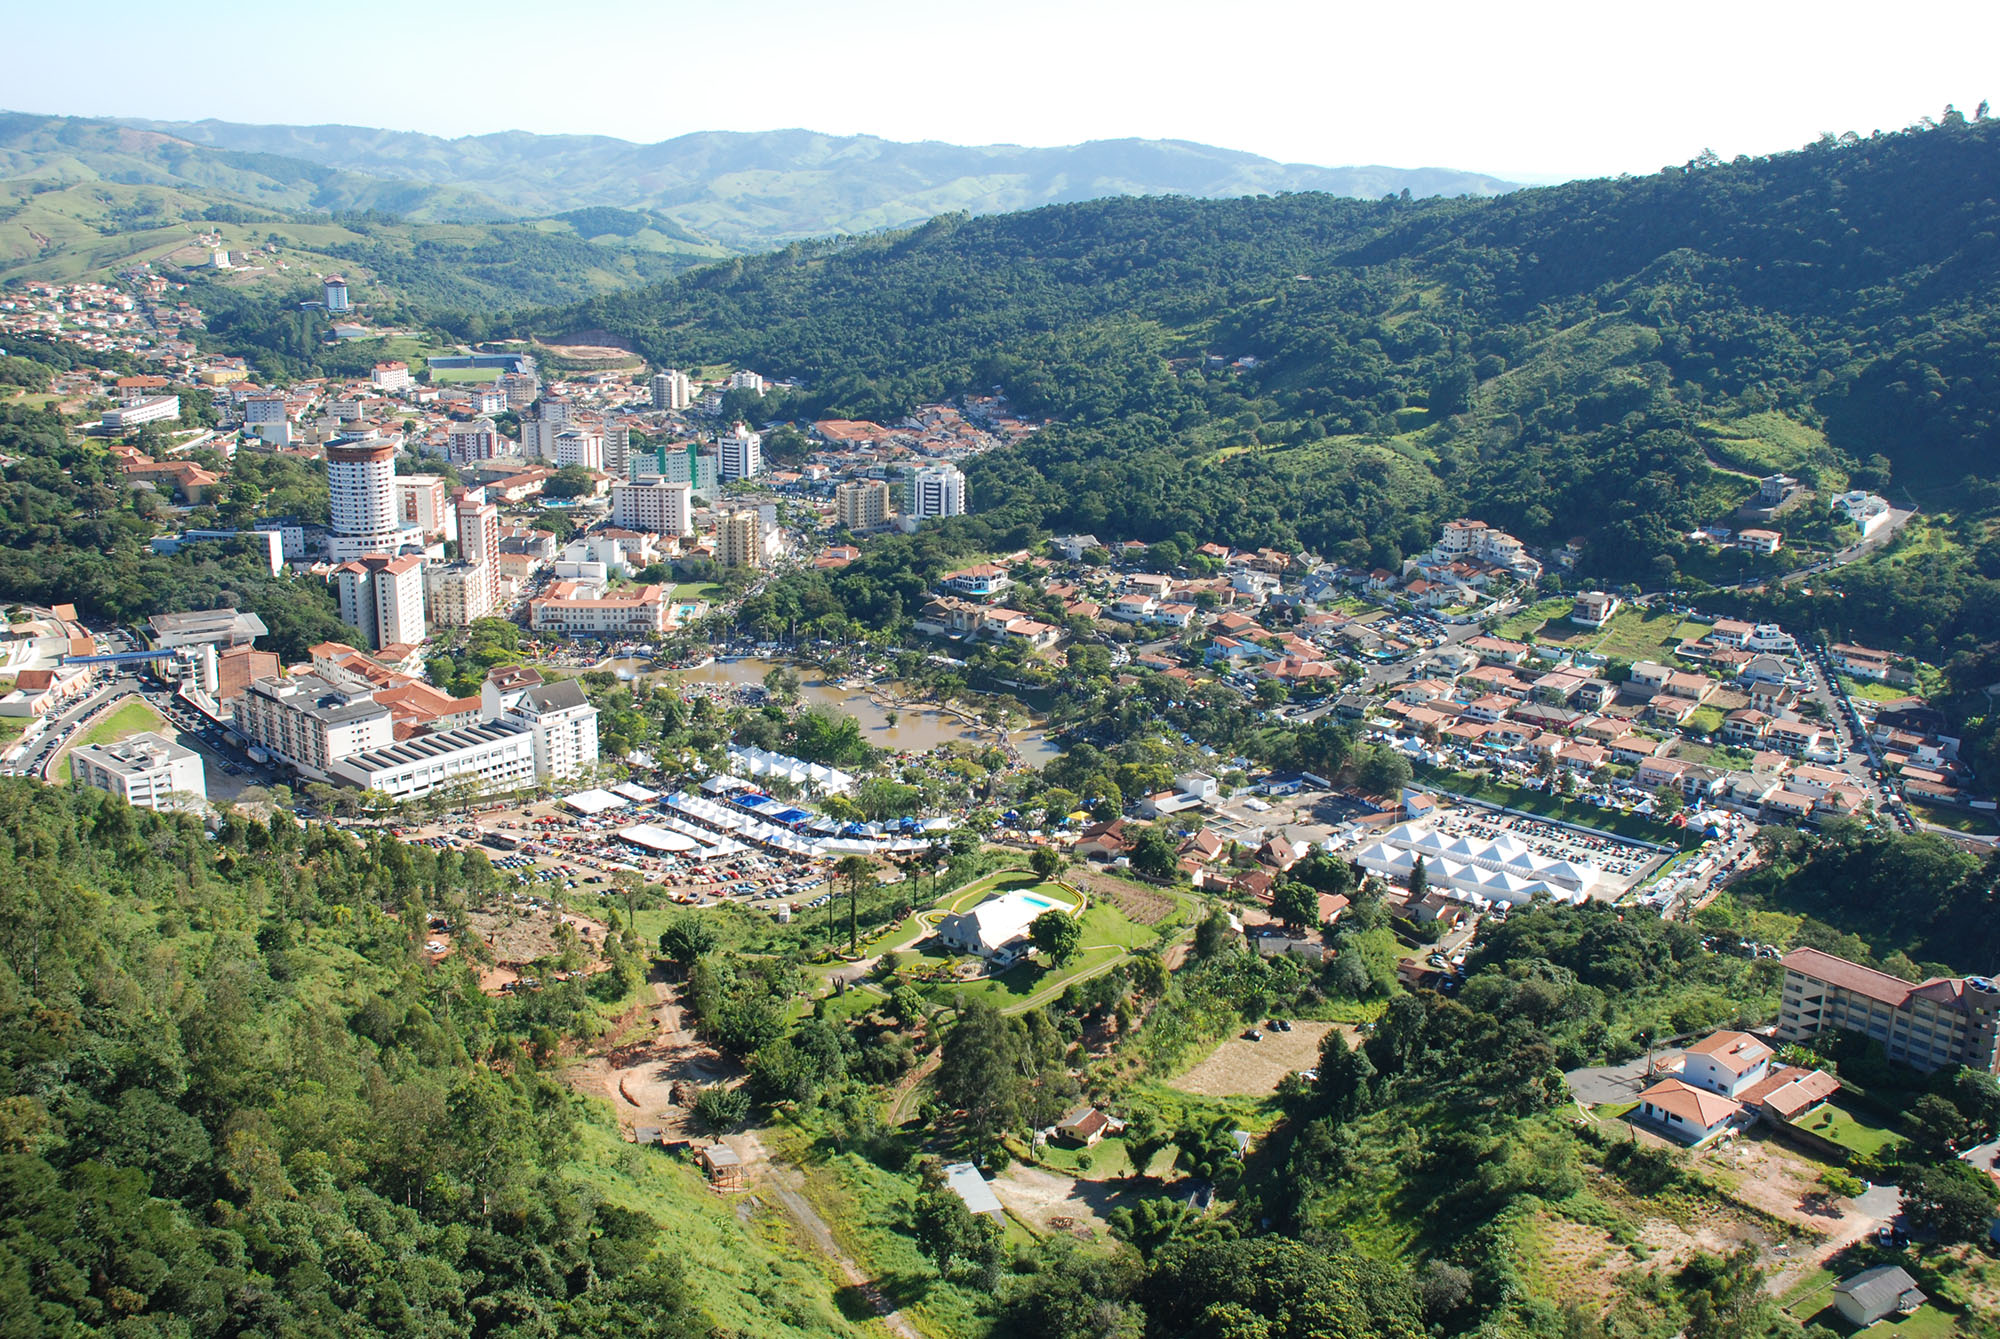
<point>783,1184</point>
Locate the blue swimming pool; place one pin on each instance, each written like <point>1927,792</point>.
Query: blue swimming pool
<point>1036,901</point>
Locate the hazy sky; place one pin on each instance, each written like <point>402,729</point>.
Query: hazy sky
<point>1536,91</point>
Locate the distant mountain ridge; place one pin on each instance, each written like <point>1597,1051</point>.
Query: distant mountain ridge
<point>748,190</point>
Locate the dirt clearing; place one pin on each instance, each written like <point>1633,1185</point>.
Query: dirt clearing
<point>1240,1067</point>
<point>1054,1202</point>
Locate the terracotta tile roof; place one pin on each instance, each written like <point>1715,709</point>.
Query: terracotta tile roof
<point>1734,1051</point>
<point>1694,1105</point>
<point>1891,990</point>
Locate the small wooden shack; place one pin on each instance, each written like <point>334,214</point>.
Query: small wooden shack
<point>723,1165</point>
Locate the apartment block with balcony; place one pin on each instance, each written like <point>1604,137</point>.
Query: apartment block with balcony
<point>1934,1024</point>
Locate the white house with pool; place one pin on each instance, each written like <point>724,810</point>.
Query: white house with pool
<point>997,929</point>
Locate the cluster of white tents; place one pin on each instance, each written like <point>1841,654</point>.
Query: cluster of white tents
<point>1498,869</point>
<point>756,762</point>
<point>824,839</point>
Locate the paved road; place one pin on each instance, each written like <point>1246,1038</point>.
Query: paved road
<point>1615,1083</point>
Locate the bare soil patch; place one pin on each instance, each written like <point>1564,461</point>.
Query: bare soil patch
<point>1240,1067</point>
<point>1057,1203</point>
<point>523,936</point>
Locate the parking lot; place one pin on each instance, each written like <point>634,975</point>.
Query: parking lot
<point>1623,863</point>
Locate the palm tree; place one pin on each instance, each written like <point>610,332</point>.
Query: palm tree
<point>856,869</point>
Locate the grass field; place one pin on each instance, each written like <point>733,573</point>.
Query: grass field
<point>743,1263</point>
<point>1871,691</point>
<point>1851,1129</point>
<point>1972,822</point>
<point>697,590</point>
<point>1520,625</point>
<point>442,376</point>
<point>1633,635</point>
<point>1108,935</point>
<point>131,719</point>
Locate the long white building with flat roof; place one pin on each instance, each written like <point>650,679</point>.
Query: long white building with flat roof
<point>488,757</point>
<point>147,771</point>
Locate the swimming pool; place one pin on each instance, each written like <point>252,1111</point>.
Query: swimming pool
<point>1034,901</point>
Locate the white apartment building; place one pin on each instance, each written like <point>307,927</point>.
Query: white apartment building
<point>466,443</point>
<point>1467,539</point>
<point>383,597</point>
<point>936,492</point>
<point>672,389</point>
<point>460,593</point>
<point>575,447</point>
<point>272,408</point>
<point>748,381</point>
<point>150,409</point>
<point>660,506</point>
<point>488,757</point>
<point>361,493</point>
<point>740,454</point>
<point>147,771</point>
<point>314,721</point>
<point>391,377</point>
<point>617,448</point>
<point>420,502</point>
<point>557,715</point>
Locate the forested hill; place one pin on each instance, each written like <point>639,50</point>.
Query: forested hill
<point>1609,359</point>
<point>749,190</point>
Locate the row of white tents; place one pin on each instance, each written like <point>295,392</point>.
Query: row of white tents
<point>756,762</point>
<point>1500,869</point>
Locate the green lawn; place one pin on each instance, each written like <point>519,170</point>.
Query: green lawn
<point>743,1261</point>
<point>697,590</point>
<point>1108,935</point>
<point>1519,626</point>
<point>1958,820</point>
<point>1705,720</point>
<point>132,718</point>
<point>1875,692</point>
<point>1851,1129</point>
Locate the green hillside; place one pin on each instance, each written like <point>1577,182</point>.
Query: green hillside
<point>1602,359</point>
<point>100,228</point>
<point>753,190</point>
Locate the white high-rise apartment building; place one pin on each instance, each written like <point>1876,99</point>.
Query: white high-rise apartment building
<point>562,720</point>
<point>741,454</point>
<point>573,447</point>
<point>479,543</point>
<point>617,448</point>
<point>748,381</point>
<point>420,502</point>
<point>672,390</point>
<point>466,443</point>
<point>936,492</point>
<point>361,487</point>
<point>662,506</point>
<point>383,597</point>
<point>314,720</point>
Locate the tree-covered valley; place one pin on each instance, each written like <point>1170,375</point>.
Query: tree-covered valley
<point>1613,361</point>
